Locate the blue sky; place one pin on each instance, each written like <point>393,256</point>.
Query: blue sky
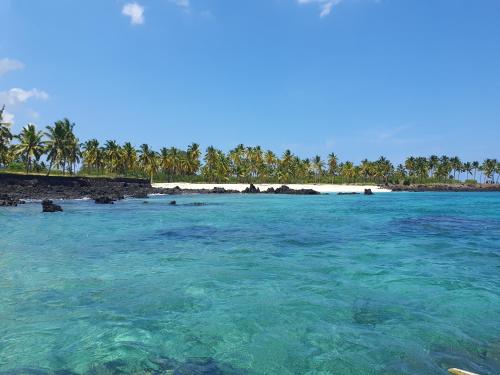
<point>362,78</point>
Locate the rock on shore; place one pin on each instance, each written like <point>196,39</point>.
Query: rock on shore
<point>49,206</point>
<point>446,187</point>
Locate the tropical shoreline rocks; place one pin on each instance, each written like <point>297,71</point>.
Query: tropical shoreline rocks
<point>49,206</point>
<point>445,187</point>
<point>14,188</point>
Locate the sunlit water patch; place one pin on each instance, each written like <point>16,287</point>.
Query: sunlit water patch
<point>388,284</point>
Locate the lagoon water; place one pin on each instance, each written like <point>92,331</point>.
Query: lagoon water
<point>397,283</point>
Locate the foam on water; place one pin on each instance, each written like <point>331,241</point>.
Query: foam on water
<point>396,283</point>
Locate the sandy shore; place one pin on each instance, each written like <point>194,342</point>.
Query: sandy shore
<point>322,188</point>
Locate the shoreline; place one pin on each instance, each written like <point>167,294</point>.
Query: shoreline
<point>240,187</point>
<point>15,187</point>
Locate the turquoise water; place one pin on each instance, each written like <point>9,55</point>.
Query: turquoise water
<point>401,283</point>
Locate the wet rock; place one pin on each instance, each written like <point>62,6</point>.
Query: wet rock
<point>172,203</point>
<point>350,193</point>
<point>218,190</point>
<point>196,204</point>
<point>251,190</point>
<point>270,190</point>
<point>5,200</point>
<point>104,200</point>
<point>141,195</point>
<point>49,206</point>
<point>286,190</point>
<point>368,192</point>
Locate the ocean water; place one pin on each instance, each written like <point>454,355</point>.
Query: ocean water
<point>398,283</point>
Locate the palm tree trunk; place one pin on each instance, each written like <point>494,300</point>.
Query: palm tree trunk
<point>50,167</point>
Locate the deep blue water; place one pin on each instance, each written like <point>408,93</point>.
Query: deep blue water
<point>399,283</point>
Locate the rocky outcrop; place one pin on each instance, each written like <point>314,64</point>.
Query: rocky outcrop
<point>71,187</point>
<point>49,206</point>
<point>7,201</point>
<point>368,192</point>
<point>251,190</point>
<point>445,187</point>
<point>283,189</point>
<point>104,200</point>
<point>348,193</point>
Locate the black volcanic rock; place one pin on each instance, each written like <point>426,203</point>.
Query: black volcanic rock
<point>251,190</point>
<point>283,189</point>
<point>104,200</point>
<point>5,200</point>
<point>446,187</point>
<point>368,192</point>
<point>49,206</point>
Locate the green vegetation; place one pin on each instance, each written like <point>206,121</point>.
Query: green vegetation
<point>58,151</point>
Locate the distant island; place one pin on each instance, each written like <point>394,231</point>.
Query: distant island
<point>56,150</point>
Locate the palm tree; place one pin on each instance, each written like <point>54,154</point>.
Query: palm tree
<point>148,160</point>
<point>31,145</point>
<point>73,154</point>
<point>332,164</point>
<point>384,168</point>
<point>193,154</point>
<point>129,157</point>
<point>348,170</point>
<point>92,154</point>
<point>433,163</point>
<point>5,138</point>
<point>456,165</point>
<point>112,156</point>
<point>318,167</point>
<point>489,167</point>
<point>410,165</point>
<point>467,167</point>
<point>475,166</point>
<point>62,145</point>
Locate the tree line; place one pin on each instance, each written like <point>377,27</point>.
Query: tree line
<point>57,149</point>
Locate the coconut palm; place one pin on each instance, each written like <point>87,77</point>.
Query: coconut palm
<point>489,167</point>
<point>318,165</point>
<point>148,161</point>
<point>5,138</point>
<point>475,167</point>
<point>62,145</point>
<point>456,166</point>
<point>31,145</point>
<point>467,167</point>
<point>129,157</point>
<point>112,156</point>
<point>193,154</point>
<point>333,161</point>
<point>92,155</point>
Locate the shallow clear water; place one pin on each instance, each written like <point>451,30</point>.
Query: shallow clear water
<point>400,283</point>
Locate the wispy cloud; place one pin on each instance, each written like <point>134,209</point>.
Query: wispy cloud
<point>135,12</point>
<point>16,96</point>
<point>182,3</point>
<point>185,5</point>
<point>7,65</point>
<point>325,6</point>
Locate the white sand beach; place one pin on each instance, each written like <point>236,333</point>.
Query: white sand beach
<point>322,188</point>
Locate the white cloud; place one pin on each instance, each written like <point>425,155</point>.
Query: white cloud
<point>135,12</point>
<point>7,65</point>
<point>324,5</point>
<point>182,3</point>
<point>16,96</point>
